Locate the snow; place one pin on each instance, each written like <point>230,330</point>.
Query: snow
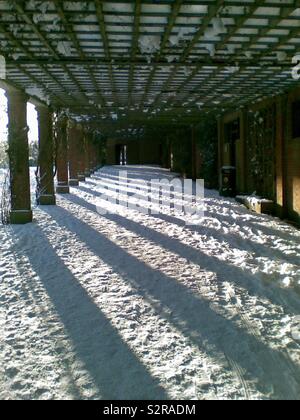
<point>149,44</point>
<point>64,48</point>
<point>39,93</point>
<point>211,49</point>
<point>253,199</point>
<point>127,305</point>
<point>182,34</point>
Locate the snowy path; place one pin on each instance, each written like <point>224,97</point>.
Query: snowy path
<point>131,306</point>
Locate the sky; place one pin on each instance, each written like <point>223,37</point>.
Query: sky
<point>31,119</point>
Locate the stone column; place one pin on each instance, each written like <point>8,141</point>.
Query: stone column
<point>100,156</point>
<point>241,145</point>
<point>97,156</point>
<point>73,155</point>
<point>46,158</point>
<point>62,157</point>
<point>92,154</point>
<point>87,154</point>
<point>221,130</point>
<point>21,212</point>
<point>194,153</point>
<point>81,151</point>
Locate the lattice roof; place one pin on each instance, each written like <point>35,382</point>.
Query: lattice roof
<point>150,62</point>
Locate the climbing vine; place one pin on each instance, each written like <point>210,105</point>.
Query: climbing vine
<point>5,203</point>
<point>40,190</point>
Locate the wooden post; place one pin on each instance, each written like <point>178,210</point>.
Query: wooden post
<point>21,212</point>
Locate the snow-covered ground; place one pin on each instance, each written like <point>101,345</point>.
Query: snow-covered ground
<point>132,306</point>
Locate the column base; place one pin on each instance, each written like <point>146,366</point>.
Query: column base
<point>73,182</point>
<point>81,178</point>
<point>63,189</point>
<point>20,217</point>
<point>47,200</point>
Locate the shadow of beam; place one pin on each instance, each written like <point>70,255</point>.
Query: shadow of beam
<point>284,298</point>
<point>115,370</point>
<point>268,368</point>
<point>239,242</point>
<point>229,204</point>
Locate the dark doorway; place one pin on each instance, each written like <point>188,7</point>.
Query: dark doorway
<point>121,154</point>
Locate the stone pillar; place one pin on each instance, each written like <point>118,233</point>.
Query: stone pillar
<point>46,159</point>
<point>87,171</point>
<point>221,133</point>
<point>98,156</point>
<point>21,212</point>
<point>62,157</point>
<point>80,152</point>
<point>92,154</point>
<point>194,153</point>
<point>282,161</point>
<point>242,161</point>
<point>95,156</point>
<point>73,155</point>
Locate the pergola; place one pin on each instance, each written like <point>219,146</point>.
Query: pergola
<point>122,65</point>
